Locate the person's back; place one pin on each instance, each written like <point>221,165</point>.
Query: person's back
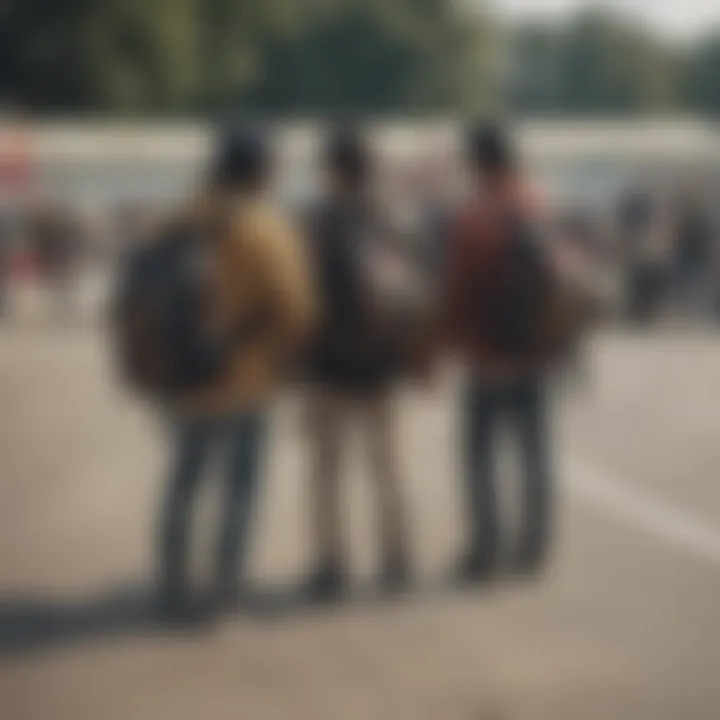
<point>263,302</point>
<point>488,256</point>
<point>261,278</point>
<point>480,270</point>
<point>351,368</point>
<point>346,353</point>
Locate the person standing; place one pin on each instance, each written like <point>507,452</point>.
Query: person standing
<point>693,257</point>
<point>352,368</point>
<point>262,285</point>
<point>494,288</point>
<point>6,238</point>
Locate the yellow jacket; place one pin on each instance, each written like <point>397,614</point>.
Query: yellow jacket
<point>261,267</point>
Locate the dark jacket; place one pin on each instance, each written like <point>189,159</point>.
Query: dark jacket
<point>345,355</point>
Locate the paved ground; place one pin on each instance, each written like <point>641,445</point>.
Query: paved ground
<point>625,626</point>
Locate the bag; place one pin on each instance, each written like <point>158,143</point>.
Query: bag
<point>373,288</point>
<point>398,296</point>
<point>576,302</point>
<point>165,342</point>
<point>516,308</point>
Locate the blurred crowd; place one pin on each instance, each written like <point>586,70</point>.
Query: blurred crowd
<point>655,251</point>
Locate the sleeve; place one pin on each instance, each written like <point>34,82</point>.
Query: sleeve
<point>451,296</point>
<point>288,282</point>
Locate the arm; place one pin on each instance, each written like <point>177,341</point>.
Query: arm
<point>451,291</point>
<point>288,283</point>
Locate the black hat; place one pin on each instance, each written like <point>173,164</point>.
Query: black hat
<point>490,147</point>
<point>242,155</point>
<point>347,153</point>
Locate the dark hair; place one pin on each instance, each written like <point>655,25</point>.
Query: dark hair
<point>490,149</point>
<point>347,155</point>
<point>635,211</point>
<point>242,158</point>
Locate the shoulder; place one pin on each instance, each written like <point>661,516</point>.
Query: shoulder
<point>532,200</point>
<point>259,220</point>
<point>469,216</point>
<point>268,232</point>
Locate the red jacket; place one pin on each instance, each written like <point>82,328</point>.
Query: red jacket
<point>475,271</point>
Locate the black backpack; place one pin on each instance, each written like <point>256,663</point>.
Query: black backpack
<point>164,340</point>
<point>373,286</point>
<point>516,313</point>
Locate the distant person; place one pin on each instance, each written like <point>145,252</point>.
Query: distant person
<point>6,239</point>
<point>693,257</point>
<point>430,186</point>
<point>644,238</point>
<point>56,237</point>
<point>227,339</point>
<point>496,288</point>
<point>353,364</point>
<point>577,251</point>
<point>715,262</point>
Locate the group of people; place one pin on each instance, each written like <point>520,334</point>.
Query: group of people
<point>47,242</point>
<point>296,304</point>
<point>671,253</point>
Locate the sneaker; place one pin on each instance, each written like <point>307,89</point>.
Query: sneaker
<point>475,567</point>
<point>180,610</point>
<point>325,585</point>
<point>228,596</point>
<point>530,560</point>
<point>395,576</point>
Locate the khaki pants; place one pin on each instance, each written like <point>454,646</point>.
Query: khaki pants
<point>332,415</point>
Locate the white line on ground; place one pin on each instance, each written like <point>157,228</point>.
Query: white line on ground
<point>655,517</point>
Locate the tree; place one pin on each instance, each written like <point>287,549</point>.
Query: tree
<point>535,78</point>
<point>703,77</point>
<point>98,54</point>
<point>375,56</point>
<point>599,64</point>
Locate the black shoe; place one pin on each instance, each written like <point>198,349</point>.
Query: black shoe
<point>530,560</point>
<point>476,567</point>
<point>395,576</point>
<point>326,584</point>
<point>228,596</point>
<point>180,610</point>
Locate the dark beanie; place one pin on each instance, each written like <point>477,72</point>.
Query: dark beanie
<point>242,155</point>
<point>347,153</point>
<point>490,148</point>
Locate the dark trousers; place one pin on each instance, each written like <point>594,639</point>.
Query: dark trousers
<point>647,286</point>
<point>240,440</point>
<point>522,405</point>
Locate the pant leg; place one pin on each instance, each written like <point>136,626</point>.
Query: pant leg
<point>380,434</point>
<point>245,436</point>
<point>528,408</point>
<point>327,416</point>
<point>478,429</point>
<point>193,441</point>
<point>3,282</point>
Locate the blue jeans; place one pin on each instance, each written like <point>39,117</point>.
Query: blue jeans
<point>522,404</point>
<point>240,438</point>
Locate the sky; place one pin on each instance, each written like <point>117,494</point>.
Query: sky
<point>680,19</point>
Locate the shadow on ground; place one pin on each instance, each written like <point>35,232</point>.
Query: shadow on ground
<point>31,625</point>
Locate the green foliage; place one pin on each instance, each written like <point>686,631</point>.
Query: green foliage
<point>98,54</point>
<point>372,56</point>
<point>202,55</point>
<point>597,65</point>
<point>703,77</point>
<point>337,56</point>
